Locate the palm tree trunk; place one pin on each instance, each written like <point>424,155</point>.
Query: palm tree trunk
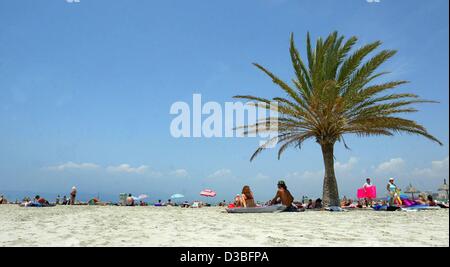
<point>330,187</point>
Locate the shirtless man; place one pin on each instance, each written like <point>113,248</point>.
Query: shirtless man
<point>284,197</point>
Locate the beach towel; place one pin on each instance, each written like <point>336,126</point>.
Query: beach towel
<point>368,192</point>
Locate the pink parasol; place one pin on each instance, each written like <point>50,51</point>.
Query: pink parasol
<point>208,193</point>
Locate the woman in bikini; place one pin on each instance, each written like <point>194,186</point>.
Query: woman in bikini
<point>247,198</point>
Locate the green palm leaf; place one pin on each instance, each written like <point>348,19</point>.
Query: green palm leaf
<point>334,95</point>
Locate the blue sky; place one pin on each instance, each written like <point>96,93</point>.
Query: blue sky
<point>86,88</point>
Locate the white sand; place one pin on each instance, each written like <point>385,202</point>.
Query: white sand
<point>150,226</point>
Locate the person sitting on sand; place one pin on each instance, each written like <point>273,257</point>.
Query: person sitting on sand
<point>284,197</point>
<point>247,198</point>
<point>344,202</point>
<point>310,205</point>
<point>318,204</point>
<point>130,201</point>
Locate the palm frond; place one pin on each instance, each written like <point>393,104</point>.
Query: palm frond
<point>335,94</point>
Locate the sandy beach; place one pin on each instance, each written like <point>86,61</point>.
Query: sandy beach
<point>172,226</point>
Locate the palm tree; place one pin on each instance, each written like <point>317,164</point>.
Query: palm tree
<point>333,94</point>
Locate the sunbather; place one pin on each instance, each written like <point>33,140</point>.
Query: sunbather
<point>284,197</point>
<point>430,201</point>
<point>247,198</point>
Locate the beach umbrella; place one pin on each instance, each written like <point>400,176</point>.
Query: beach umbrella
<point>411,190</point>
<point>176,196</point>
<point>208,193</point>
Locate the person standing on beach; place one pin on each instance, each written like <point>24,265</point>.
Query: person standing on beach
<point>367,185</point>
<point>73,196</point>
<point>130,200</point>
<point>392,190</point>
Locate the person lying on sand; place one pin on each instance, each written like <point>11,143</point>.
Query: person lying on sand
<point>284,197</point>
<point>430,201</point>
<point>38,201</point>
<point>351,204</point>
<point>421,200</point>
<point>247,198</point>
<point>300,206</point>
<point>41,200</point>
